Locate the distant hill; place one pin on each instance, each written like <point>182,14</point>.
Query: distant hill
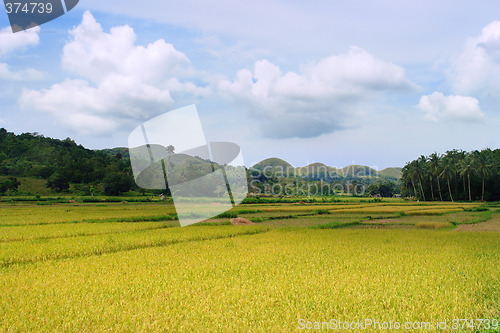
<point>391,172</point>
<point>318,169</point>
<point>45,165</point>
<point>273,162</point>
<point>359,171</point>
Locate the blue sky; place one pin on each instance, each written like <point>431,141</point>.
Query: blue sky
<point>358,82</point>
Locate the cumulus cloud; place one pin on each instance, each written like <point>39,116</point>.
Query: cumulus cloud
<point>117,79</point>
<point>317,100</point>
<point>477,69</point>
<point>440,107</point>
<point>28,74</point>
<point>95,55</point>
<point>10,42</point>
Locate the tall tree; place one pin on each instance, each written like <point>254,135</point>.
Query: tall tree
<point>419,172</point>
<point>435,170</point>
<point>412,176</point>
<point>466,168</point>
<point>483,166</point>
<point>9,185</point>
<point>406,178</point>
<point>447,171</point>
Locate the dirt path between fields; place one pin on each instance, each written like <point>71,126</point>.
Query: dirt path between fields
<point>491,225</point>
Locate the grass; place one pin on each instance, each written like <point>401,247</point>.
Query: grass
<point>59,248</point>
<point>38,232</point>
<point>30,213</point>
<point>264,282</point>
<point>433,225</point>
<point>227,215</point>
<point>31,185</point>
<point>119,267</point>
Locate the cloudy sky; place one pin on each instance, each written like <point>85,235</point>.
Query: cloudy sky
<point>339,82</point>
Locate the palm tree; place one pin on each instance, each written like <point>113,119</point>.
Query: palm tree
<point>412,175</point>
<point>455,156</point>
<point>461,156</point>
<point>434,169</point>
<point>419,172</point>
<point>466,167</point>
<point>483,166</point>
<point>430,174</point>
<point>406,177</point>
<point>447,171</point>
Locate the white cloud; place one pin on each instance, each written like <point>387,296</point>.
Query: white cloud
<point>28,74</point>
<point>439,107</point>
<point>79,105</point>
<point>118,79</point>
<point>477,69</point>
<point>317,100</point>
<point>94,54</point>
<point>10,42</point>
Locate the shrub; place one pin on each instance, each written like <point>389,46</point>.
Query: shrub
<point>58,182</point>
<point>227,215</point>
<point>249,211</point>
<point>476,209</point>
<point>320,212</point>
<point>257,219</point>
<point>116,183</point>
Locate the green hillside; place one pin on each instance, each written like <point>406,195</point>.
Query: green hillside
<point>31,186</point>
<point>45,166</point>
<point>391,172</point>
<point>272,162</point>
<point>38,161</point>
<point>315,168</point>
<point>359,171</point>
<point>113,152</point>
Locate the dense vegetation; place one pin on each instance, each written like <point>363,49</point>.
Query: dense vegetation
<point>456,175</point>
<point>68,167</point>
<point>277,177</point>
<point>62,162</point>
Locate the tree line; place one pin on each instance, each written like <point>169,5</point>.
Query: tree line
<point>61,163</point>
<point>455,175</point>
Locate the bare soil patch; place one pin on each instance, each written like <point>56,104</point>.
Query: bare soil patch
<point>241,221</point>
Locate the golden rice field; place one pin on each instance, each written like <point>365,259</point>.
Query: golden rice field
<point>128,267</point>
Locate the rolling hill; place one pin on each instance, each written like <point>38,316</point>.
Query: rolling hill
<point>318,169</point>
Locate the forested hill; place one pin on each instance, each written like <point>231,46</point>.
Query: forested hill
<point>61,162</point>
